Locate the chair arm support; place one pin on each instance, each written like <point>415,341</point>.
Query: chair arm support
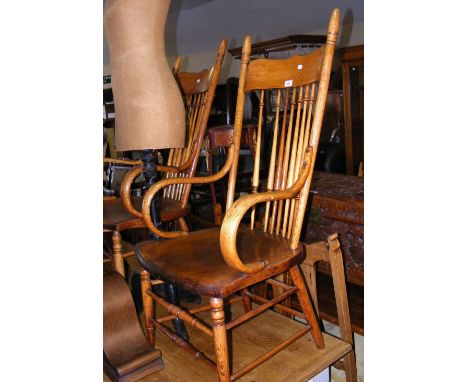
<point>122,161</point>
<point>234,216</point>
<point>173,169</point>
<point>155,188</point>
<point>125,191</point>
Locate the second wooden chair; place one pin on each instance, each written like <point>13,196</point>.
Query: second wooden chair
<point>123,213</point>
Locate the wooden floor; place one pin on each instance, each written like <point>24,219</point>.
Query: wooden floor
<point>297,363</point>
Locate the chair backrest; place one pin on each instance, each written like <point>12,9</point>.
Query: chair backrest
<point>198,91</point>
<point>298,87</point>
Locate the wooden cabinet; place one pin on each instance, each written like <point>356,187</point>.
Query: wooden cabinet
<point>352,60</point>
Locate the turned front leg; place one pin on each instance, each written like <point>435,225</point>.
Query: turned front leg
<point>220,338</point>
<point>147,305</point>
<point>117,251</point>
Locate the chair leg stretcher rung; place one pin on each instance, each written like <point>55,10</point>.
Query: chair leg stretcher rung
<point>282,308</point>
<point>279,284</point>
<point>185,345</point>
<point>180,313</point>
<point>265,357</point>
<point>260,309</point>
<point>200,309</point>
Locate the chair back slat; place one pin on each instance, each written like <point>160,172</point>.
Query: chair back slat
<point>281,73</point>
<point>197,92</point>
<point>293,86</point>
<point>258,143</point>
<point>298,92</point>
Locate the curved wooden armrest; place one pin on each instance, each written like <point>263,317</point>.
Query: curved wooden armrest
<point>162,168</point>
<point>234,216</point>
<point>122,161</point>
<point>149,195</point>
<point>125,191</point>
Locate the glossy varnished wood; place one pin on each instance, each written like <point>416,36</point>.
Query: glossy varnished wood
<point>128,356</point>
<point>193,83</point>
<point>117,217</point>
<point>195,263</point>
<point>217,262</point>
<point>293,71</point>
<point>197,89</point>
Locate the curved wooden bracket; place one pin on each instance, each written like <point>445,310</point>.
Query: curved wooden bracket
<point>242,205</point>
<point>155,188</point>
<point>125,191</point>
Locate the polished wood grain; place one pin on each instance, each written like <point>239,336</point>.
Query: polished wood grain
<point>127,354</point>
<point>121,214</point>
<point>220,262</point>
<point>198,91</point>
<point>299,70</point>
<point>117,217</point>
<point>194,262</point>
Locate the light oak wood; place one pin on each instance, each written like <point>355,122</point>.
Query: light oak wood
<point>298,362</point>
<point>220,339</point>
<point>330,252</point>
<point>200,88</point>
<point>193,261</point>
<point>198,92</point>
<point>117,252</point>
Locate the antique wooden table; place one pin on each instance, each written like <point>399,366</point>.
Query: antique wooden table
<point>338,206</point>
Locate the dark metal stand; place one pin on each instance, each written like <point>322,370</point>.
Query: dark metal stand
<point>148,158</point>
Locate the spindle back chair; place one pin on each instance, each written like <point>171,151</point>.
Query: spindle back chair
<point>220,262</point>
<point>198,89</point>
<point>124,213</point>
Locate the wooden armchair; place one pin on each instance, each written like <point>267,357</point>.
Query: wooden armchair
<point>221,262</point>
<point>124,213</point>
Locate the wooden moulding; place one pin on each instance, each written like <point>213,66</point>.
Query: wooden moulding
<point>128,356</point>
<point>281,44</point>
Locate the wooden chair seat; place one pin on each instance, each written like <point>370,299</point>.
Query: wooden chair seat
<point>195,263</point>
<point>117,218</point>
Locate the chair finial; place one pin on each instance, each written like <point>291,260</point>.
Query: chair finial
<point>333,27</point>
<point>246,49</point>
<point>221,50</point>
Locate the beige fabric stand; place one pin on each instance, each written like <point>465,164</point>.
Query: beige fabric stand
<point>149,109</point>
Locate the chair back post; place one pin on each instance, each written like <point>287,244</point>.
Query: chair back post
<point>203,121</point>
<point>300,85</point>
<point>176,67</point>
<point>234,149</point>
<point>333,28</point>
<point>198,91</point>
